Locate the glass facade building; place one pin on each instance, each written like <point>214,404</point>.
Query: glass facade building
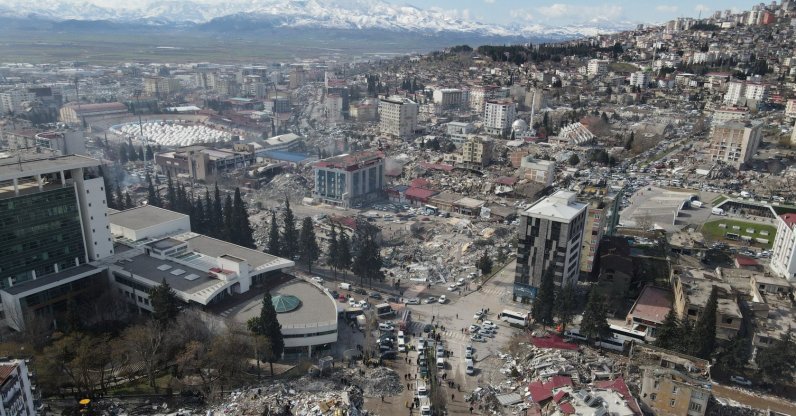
<point>40,233</point>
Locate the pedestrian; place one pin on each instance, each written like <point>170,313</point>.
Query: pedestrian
<point>457,316</point>
<point>451,397</point>
<point>471,409</point>
<point>406,404</point>
<point>382,398</point>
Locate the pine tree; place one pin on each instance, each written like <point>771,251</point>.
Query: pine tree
<point>344,257</point>
<point>150,155</point>
<point>242,227</point>
<point>131,153</point>
<point>140,153</point>
<point>703,339</point>
<point>367,261</point>
<point>289,238</point>
<point>668,334</point>
<point>229,223</point>
<point>106,185</point>
<point>268,326</point>
<point>171,194</point>
<point>128,201</point>
<point>183,204</point>
<point>309,251</point>
<point>484,263</point>
<point>734,355</point>
<point>594,324</point>
<point>199,213</point>
<point>210,220</point>
<point>218,215</point>
<point>273,236</point>
<point>542,309</point>
<point>119,199</point>
<point>153,198</point>
<point>164,303</point>
<point>123,158</point>
<point>333,250</point>
<point>565,305</point>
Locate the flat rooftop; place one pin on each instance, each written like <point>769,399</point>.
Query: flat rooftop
<point>155,271</point>
<point>216,248</point>
<point>14,167</point>
<point>350,160</point>
<point>652,304</point>
<point>142,217</point>
<point>559,206</point>
<point>51,278</point>
<point>316,306</point>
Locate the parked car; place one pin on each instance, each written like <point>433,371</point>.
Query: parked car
<point>428,328</point>
<point>741,380</point>
<point>452,287</point>
<point>477,338</point>
<point>318,279</point>
<point>474,328</point>
<point>386,327</point>
<point>488,324</point>
<point>392,299</point>
<point>478,315</point>
<point>442,299</point>
<point>388,355</point>
<point>360,291</point>
<point>430,299</point>
<point>413,301</point>
<point>375,295</point>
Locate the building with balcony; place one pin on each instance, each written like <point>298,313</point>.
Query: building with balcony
<point>398,116</point>
<point>447,98</point>
<point>550,236</point>
<point>498,116</point>
<point>735,142</point>
<point>783,259</point>
<point>15,389</point>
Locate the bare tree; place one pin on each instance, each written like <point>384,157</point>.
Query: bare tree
<point>145,343</point>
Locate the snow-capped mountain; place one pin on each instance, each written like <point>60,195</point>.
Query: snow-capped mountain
<point>336,14</point>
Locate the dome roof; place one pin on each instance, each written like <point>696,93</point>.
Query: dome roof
<point>285,303</point>
<point>519,125</point>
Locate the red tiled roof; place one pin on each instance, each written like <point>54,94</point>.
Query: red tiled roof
<point>5,371</point>
<point>420,193</point>
<point>543,391</point>
<point>436,166</point>
<point>652,304</point>
<point>506,180</point>
<point>559,395</point>
<point>419,183</point>
<point>790,219</point>
<point>567,408</point>
<point>618,385</point>
<point>552,341</point>
<point>745,261</point>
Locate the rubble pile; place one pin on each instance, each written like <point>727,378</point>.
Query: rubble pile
<point>377,382</point>
<point>311,397</point>
<point>292,185</point>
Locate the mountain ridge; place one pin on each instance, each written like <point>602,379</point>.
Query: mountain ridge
<point>274,14</point>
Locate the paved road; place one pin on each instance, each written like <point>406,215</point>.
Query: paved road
<point>753,400</point>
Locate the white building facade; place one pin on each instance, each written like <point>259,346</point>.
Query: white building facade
<point>398,116</point>
<point>783,260</point>
<point>498,116</point>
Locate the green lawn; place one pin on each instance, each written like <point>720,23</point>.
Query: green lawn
<point>712,231</point>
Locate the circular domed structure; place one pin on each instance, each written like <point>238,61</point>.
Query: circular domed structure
<point>285,303</point>
<point>519,125</point>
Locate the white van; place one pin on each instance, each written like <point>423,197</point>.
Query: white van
<point>440,363</point>
<point>401,345</point>
<point>344,286</point>
<point>422,389</point>
<point>717,211</point>
<point>425,406</point>
<point>469,369</point>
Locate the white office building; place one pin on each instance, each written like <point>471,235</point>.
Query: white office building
<point>551,236</point>
<point>640,79</point>
<point>11,101</point>
<point>597,67</point>
<point>498,116</point>
<point>398,116</point>
<point>447,98</point>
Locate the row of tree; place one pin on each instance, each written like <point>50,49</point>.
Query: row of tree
<point>693,338</point>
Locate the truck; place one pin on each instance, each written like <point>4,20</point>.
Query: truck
<point>696,204</point>
<point>425,406</point>
<point>717,211</point>
<point>344,286</point>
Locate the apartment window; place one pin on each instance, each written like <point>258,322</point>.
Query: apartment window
<point>696,407</point>
<point>674,390</point>
<point>672,402</point>
<point>653,396</point>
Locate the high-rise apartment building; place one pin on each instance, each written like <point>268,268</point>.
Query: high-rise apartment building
<point>734,142</point>
<point>498,116</point>
<point>447,98</point>
<point>398,116</point>
<point>601,220</point>
<point>160,86</point>
<point>16,392</point>
<point>550,236</point>
<point>53,222</point>
<point>640,79</point>
<point>597,67</point>
<point>750,94</point>
<point>476,152</point>
<point>11,101</point>
<point>783,260</point>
